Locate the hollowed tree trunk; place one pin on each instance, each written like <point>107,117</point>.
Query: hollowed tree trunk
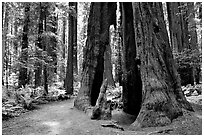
<point>132,85</point>
<point>101,16</point>
<point>163,99</point>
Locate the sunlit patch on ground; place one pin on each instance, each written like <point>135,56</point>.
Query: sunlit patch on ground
<point>54,127</point>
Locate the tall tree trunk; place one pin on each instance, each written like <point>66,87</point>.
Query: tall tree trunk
<point>5,47</point>
<point>23,77</point>
<point>51,49</point>
<point>69,70</point>
<point>38,70</point>
<point>108,66</point>
<point>119,47</point>
<point>192,26</point>
<point>174,25</point>
<point>45,11</point>
<point>184,25</point>
<point>4,30</point>
<point>119,61</point>
<point>178,26</point>
<point>132,85</point>
<point>62,47</point>
<point>101,16</point>
<point>75,68</point>
<point>162,98</point>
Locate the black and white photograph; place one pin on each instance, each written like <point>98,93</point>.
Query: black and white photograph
<point>101,68</point>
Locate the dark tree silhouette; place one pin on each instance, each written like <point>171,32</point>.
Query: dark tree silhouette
<point>71,44</point>
<point>23,77</point>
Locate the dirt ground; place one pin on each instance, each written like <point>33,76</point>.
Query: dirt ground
<point>60,118</point>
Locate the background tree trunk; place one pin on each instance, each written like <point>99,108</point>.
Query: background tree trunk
<point>175,25</point>
<point>23,77</point>
<point>163,99</point>
<point>192,25</point>
<point>132,85</point>
<point>108,66</point>
<point>69,70</point>
<point>4,32</point>
<point>101,16</point>
<point>6,44</point>
<point>51,49</point>
<point>184,25</point>
<point>38,70</point>
<point>45,11</point>
<point>75,68</point>
<point>178,25</point>
<point>119,50</point>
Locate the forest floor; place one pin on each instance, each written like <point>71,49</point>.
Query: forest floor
<point>61,118</point>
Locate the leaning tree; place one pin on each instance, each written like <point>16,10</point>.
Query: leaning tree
<point>152,89</point>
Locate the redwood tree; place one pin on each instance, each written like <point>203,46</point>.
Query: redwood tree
<point>151,85</point>
<point>101,16</point>
<point>162,97</point>
<point>75,68</point>
<point>23,77</point>
<point>71,42</point>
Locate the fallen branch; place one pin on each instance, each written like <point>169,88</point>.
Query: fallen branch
<point>113,125</point>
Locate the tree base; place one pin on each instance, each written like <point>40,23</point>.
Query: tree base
<point>150,119</point>
<point>159,109</point>
<point>102,108</point>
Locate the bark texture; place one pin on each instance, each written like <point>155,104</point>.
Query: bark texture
<point>163,99</point>
<point>101,16</point>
